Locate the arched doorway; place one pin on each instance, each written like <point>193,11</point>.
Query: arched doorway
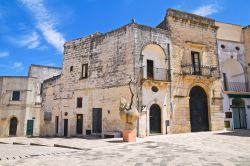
<point>155,119</point>
<point>198,109</point>
<point>239,114</point>
<point>13,126</point>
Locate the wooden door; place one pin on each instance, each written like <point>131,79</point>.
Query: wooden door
<point>97,120</point>
<point>79,123</point>
<point>198,110</point>
<point>13,126</point>
<point>155,119</point>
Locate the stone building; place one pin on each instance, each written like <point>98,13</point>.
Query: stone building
<point>196,95</point>
<point>20,114</point>
<point>234,72</point>
<point>96,73</point>
<point>20,104</point>
<point>170,73</point>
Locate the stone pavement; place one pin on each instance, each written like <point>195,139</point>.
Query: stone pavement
<point>77,143</point>
<point>205,148</point>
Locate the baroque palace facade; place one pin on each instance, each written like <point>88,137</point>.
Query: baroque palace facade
<point>177,75</point>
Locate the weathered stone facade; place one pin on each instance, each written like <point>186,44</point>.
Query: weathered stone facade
<point>42,73</point>
<point>21,115</point>
<point>97,70</point>
<point>193,33</point>
<point>113,59</point>
<point>234,74</point>
<point>246,38</point>
<point>233,55</point>
<point>18,110</point>
<point>176,71</point>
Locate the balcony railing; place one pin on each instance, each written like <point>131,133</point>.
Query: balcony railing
<point>208,71</point>
<point>154,73</point>
<point>236,86</point>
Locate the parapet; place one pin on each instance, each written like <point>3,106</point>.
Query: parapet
<point>189,17</point>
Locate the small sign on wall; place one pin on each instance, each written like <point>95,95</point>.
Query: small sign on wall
<point>47,116</point>
<point>228,114</point>
<point>167,123</point>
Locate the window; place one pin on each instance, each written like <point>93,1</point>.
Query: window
<point>15,95</point>
<point>237,48</point>
<point>225,81</point>
<point>41,89</point>
<point>71,68</point>
<point>84,70</point>
<point>79,102</point>
<point>150,69</point>
<point>56,123</point>
<point>196,63</point>
<point>223,46</point>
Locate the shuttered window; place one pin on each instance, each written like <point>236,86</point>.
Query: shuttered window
<point>84,70</point>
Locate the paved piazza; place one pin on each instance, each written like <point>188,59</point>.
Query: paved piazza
<point>207,148</point>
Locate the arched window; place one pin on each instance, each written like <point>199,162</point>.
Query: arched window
<point>154,62</point>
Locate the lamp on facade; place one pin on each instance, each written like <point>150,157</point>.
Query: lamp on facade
<point>143,108</point>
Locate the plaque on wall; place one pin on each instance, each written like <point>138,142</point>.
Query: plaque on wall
<point>228,114</point>
<point>47,116</point>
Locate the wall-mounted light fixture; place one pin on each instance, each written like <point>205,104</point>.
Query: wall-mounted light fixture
<point>143,108</point>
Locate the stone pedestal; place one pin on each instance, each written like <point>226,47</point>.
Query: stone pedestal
<point>129,135</point>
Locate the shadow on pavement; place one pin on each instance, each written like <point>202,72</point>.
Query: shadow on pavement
<point>91,137</point>
<point>116,141</point>
<point>237,132</point>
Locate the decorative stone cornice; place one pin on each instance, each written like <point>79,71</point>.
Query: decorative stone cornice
<point>190,18</point>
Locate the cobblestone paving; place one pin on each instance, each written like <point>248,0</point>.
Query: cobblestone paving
<point>181,149</point>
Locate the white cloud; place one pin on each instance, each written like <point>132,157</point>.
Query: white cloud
<point>45,23</point>
<point>206,10</point>
<point>30,41</point>
<point>4,54</point>
<point>18,65</point>
<point>50,64</point>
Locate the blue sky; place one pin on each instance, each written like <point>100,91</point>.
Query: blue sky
<point>33,31</point>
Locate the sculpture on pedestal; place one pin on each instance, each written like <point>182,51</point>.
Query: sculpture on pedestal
<point>129,115</point>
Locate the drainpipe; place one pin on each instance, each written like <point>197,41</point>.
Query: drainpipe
<point>217,54</point>
<point>170,87</point>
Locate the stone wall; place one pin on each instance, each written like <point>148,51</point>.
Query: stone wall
<point>110,67</point>
<point>51,102</point>
<point>246,36</point>
<point>42,73</point>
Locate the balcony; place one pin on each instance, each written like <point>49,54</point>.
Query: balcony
<point>236,86</point>
<point>208,71</point>
<point>158,74</point>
